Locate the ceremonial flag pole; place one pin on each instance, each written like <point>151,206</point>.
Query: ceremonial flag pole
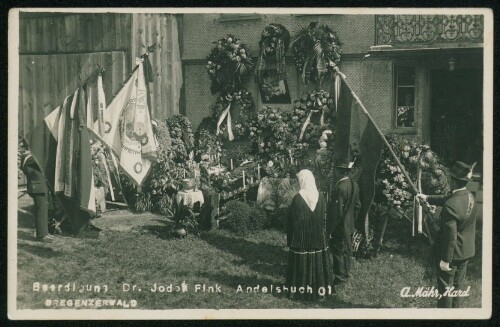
<point>391,151</point>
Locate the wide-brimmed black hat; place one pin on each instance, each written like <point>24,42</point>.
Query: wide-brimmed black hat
<point>343,163</point>
<point>461,171</point>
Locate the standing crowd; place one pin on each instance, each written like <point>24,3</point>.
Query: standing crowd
<point>319,234</point>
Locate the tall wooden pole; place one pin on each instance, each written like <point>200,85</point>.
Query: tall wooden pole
<point>391,151</point>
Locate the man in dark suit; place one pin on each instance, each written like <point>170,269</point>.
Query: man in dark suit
<point>37,189</point>
<point>455,243</point>
<point>342,212</point>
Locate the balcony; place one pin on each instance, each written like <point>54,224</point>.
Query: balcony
<point>421,30</point>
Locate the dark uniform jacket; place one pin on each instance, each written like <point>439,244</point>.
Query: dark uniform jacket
<point>456,238</point>
<point>344,208</point>
<point>36,183</point>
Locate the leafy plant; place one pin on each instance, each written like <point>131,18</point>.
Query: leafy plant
<point>184,216</point>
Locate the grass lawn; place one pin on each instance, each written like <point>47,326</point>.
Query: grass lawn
<point>138,249</point>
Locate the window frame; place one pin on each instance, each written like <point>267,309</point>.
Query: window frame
<point>400,129</point>
<point>228,18</point>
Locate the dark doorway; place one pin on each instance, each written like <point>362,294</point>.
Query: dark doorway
<point>456,114</point>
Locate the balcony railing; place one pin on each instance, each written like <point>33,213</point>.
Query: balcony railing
<point>428,29</point>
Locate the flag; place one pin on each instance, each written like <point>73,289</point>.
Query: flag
<point>128,130</point>
<point>357,137</point>
<point>61,147</point>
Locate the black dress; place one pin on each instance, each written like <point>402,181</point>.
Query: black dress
<point>309,270</point>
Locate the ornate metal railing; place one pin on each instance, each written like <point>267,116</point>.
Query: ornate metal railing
<point>428,29</point>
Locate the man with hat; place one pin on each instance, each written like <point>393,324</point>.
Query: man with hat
<point>455,243</point>
<point>342,212</point>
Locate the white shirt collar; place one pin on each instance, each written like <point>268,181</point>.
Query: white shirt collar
<point>458,189</point>
<point>343,178</point>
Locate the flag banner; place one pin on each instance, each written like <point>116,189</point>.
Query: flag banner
<point>128,130</point>
<point>343,127</point>
<point>357,137</point>
<point>60,145</point>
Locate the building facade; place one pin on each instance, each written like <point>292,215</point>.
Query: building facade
<point>418,75</point>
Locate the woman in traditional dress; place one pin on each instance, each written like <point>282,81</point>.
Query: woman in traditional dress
<point>309,272</point>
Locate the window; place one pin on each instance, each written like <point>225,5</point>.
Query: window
<point>405,97</point>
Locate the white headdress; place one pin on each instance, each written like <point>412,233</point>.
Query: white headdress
<point>308,189</point>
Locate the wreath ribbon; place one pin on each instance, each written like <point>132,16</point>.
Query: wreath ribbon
<point>227,113</point>
<point>337,82</point>
<point>308,121</point>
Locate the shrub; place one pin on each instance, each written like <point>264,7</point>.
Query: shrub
<point>278,218</point>
<point>238,217</point>
<point>243,218</point>
<point>258,219</point>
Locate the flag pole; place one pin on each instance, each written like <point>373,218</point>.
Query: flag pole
<point>391,151</point>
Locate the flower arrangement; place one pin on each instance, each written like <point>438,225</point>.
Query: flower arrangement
<point>229,64</point>
<point>317,102</point>
<point>241,107</point>
<point>181,137</point>
<point>98,168</point>
<point>274,42</point>
<point>273,136</point>
<point>207,146</point>
<point>316,50</point>
<point>395,191</point>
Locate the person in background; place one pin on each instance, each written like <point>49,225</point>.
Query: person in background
<point>455,243</point>
<point>309,263</point>
<point>343,209</point>
<point>37,189</point>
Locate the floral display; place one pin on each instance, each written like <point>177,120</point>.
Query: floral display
<point>316,50</point>
<point>274,42</point>
<point>318,106</point>
<point>394,188</point>
<point>229,64</point>
<point>241,108</point>
<point>181,137</point>
<point>207,146</point>
<point>272,133</point>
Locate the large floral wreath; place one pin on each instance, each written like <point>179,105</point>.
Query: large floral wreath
<point>395,191</point>
<point>274,42</point>
<point>237,110</point>
<point>229,64</point>
<point>272,133</point>
<point>311,115</point>
<point>316,50</point>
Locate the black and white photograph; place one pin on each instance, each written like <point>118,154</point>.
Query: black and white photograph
<point>250,163</point>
